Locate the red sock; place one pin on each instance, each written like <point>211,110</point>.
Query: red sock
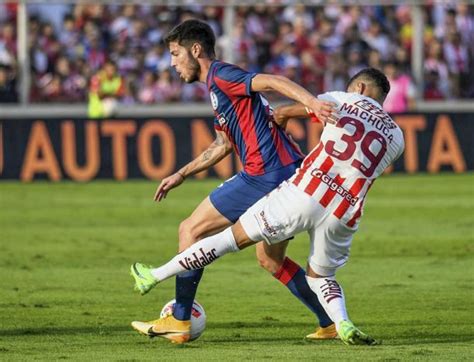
<point>287,271</point>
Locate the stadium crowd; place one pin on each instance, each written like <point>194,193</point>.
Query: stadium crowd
<point>318,47</point>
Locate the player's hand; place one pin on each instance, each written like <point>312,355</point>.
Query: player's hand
<point>167,184</point>
<point>325,111</point>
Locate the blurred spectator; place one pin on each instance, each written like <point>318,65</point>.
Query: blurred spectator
<point>106,88</point>
<point>355,61</point>
<point>8,92</point>
<point>457,57</point>
<point>8,12</point>
<point>298,13</point>
<point>69,37</point>
<point>401,97</point>
<point>353,40</point>
<point>8,53</point>
<point>313,65</point>
<point>331,41</point>
<point>465,24</point>
<point>436,70</point>
<point>379,41</point>
<point>405,27</point>
<point>167,88</point>
<point>432,90</point>
<point>315,45</point>
<point>374,59</point>
<point>52,13</point>
<point>213,16</point>
<point>402,57</point>
<point>8,38</point>
<point>157,58</point>
<point>147,91</point>
<point>48,43</point>
<point>94,53</point>
<point>194,92</point>
<point>128,97</point>
<point>335,77</point>
<point>125,57</point>
<point>446,23</point>
<point>242,45</point>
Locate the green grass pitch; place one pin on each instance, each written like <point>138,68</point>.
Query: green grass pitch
<point>65,251</point>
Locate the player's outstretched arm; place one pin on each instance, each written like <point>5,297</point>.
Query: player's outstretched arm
<point>216,151</point>
<point>282,114</point>
<point>267,82</point>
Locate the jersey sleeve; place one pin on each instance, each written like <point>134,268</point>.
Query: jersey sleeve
<point>234,81</point>
<point>330,97</point>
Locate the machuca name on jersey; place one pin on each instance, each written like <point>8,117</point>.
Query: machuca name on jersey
<point>351,154</point>
<point>372,114</point>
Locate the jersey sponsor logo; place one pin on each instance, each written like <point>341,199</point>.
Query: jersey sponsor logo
<point>377,112</point>
<point>334,185</point>
<point>214,100</point>
<point>199,259</point>
<point>221,119</point>
<point>272,231</point>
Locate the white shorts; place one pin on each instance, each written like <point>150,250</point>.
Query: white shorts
<point>287,211</point>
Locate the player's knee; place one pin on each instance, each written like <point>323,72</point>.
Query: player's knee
<point>186,235</point>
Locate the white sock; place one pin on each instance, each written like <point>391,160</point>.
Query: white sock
<point>331,297</point>
<point>198,255</point>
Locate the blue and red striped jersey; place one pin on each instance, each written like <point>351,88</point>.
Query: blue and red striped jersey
<point>247,120</point>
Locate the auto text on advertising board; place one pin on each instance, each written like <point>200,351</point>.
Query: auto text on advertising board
<point>120,149</point>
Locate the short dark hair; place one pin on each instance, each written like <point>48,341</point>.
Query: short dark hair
<point>193,31</point>
<point>374,75</point>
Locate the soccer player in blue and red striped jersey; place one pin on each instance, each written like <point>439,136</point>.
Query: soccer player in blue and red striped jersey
<point>243,123</point>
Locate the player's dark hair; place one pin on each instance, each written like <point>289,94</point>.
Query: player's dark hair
<point>374,75</point>
<point>193,31</point>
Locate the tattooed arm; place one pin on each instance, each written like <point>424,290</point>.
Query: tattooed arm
<point>216,151</point>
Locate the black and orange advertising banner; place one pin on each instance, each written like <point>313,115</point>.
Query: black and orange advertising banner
<point>83,150</point>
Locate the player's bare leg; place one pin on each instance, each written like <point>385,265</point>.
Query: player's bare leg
<point>272,258</point>
<point>205,220</point>
<point>331,296</point>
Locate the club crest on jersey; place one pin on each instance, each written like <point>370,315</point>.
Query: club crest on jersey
<point>214,100</point>
<point>334,186</point>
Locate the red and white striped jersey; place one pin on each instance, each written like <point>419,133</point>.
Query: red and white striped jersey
<point>351,154</point>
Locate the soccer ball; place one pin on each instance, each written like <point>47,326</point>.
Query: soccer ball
<point>198,317</point>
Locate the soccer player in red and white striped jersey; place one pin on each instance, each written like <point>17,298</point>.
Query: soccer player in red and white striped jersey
<point>325,196</point>
<point>351,154</point>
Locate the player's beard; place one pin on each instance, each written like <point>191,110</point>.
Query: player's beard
<point>194,69</point>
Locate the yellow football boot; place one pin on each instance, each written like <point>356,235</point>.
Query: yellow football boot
<point>167,327</point>
<point>328,332</point>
